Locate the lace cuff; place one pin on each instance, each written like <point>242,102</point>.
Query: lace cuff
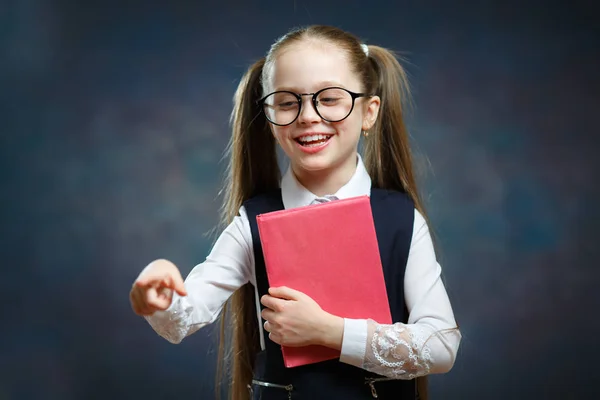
<point>397,351</point>
<point>176,322</point>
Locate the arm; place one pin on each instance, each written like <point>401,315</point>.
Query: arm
<point>229,265</point>
<point>428,343</point>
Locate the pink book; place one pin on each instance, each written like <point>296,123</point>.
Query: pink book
<point>328,251</point>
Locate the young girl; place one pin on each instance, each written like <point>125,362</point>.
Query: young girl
<point>315,93</point>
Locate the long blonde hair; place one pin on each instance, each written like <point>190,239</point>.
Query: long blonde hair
<point>253,169</point>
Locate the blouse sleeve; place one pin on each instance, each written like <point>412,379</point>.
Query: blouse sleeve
<point>428,342</point>
<point>402,351</point>
<point>209,285</point>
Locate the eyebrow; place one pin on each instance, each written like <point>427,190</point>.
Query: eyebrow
<point>320,85</point>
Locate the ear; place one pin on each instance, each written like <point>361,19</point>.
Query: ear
<point>371,111</point>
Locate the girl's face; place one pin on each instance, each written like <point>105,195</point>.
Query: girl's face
<point>313,144</point>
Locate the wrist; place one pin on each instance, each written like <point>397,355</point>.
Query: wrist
<point>332,332</point>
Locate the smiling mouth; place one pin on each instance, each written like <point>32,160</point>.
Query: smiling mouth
<point>313,140</point>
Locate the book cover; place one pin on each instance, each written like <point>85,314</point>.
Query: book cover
<point>328,251</point>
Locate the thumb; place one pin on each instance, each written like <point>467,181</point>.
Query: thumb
<point>175,281</point>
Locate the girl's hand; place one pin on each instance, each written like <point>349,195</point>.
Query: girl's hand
<point>153,289</point>
<point>294,319</point>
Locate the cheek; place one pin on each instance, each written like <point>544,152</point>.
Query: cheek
<point>350,128</point>
<point>282,135</point>
<point>279,132</point>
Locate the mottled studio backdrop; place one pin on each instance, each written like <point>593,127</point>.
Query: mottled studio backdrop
<point>113,122</point>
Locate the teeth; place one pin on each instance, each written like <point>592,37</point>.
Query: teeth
<point>312,138</point>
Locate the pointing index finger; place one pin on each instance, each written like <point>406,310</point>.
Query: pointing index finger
<point>153,280</point>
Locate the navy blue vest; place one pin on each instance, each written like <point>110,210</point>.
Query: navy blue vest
<point>393,215</point>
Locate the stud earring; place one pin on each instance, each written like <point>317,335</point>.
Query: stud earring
<point>365,133</point>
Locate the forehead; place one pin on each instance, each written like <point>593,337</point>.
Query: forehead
<point>305,66</point>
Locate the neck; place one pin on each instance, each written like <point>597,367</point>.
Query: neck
<point>327,181</point>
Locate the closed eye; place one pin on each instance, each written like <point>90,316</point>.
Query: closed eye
<point>328,101</point>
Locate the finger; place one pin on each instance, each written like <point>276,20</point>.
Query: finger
<point>139,304</point>
<point>147,280</point>
<point>273,303</point>
<point>267,326</point>
<point>133,299</point>
<point>175,281</point>
<point>286,293</point>
<point>275,338</point>
<point>268,314</point>
<point>145,308</point>
<point>165,293</point>
<point>156,302</point>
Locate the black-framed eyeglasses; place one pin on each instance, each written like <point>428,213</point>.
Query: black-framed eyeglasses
<point>332,104</point>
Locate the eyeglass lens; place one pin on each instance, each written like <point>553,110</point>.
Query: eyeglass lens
<point>282,108</point>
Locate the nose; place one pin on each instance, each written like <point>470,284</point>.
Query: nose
<point>308,113</point>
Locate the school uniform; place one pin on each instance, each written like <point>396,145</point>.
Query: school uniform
<point>367,364</point>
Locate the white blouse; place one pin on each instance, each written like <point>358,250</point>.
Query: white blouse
<point>426,344</point>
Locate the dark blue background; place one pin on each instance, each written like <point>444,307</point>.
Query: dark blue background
<point>113,122</point>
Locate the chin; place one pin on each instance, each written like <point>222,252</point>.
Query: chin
<point>314,165</point>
